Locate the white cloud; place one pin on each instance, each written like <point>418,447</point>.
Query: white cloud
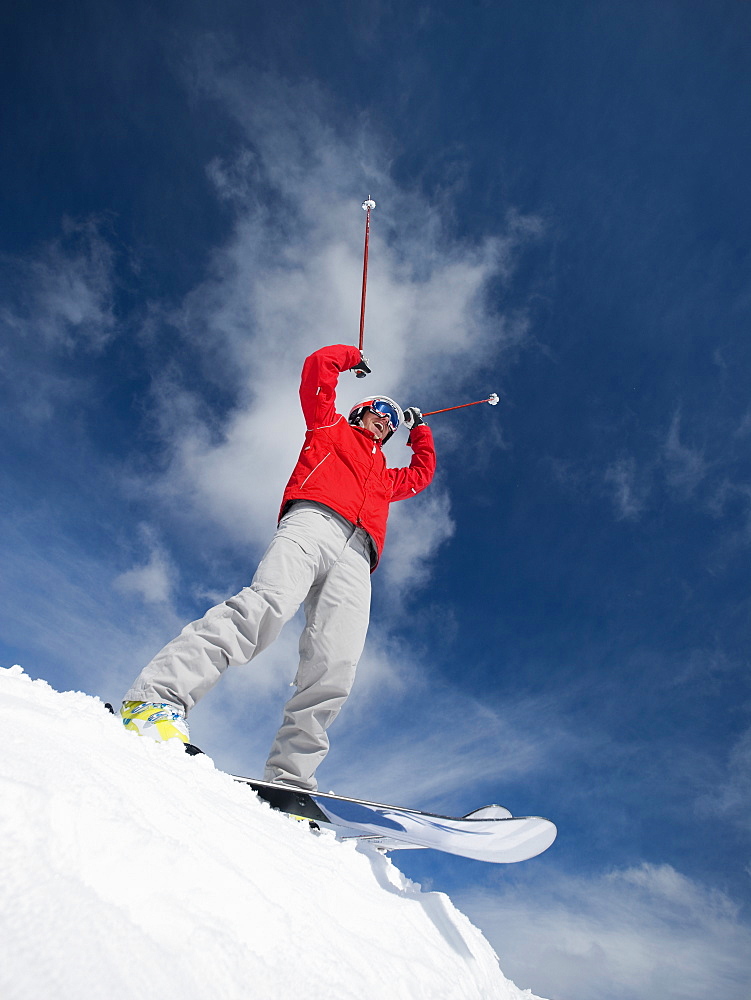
<point>685,467</point>
<point>646,931</point>
<point>57,304</point>
<point>744,428</point>
<point>629,493</point>
<point>64,295</point>
<point>730,793</point>
<point>441,741</point>
<point>733,501</point>
<point>675,466</point>
<point>152,581</point>
<point>57,603</point>
<point>417,528</point>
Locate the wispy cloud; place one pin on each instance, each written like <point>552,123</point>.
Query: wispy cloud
<point>645,931</point>
<point>57,305</point>
<point>63,296</point>
<point>674,470</point>
<point>685,467</point>
<point>59,602</point>
<point>442,741</point>
<point>731,501</point>
<point>417,528</point>
<point>730,791</point>
<point>743,429</point>
<point>153,580</point>
<point>629,494</point>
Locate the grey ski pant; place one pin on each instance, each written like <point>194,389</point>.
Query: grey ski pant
<point>316,558</point>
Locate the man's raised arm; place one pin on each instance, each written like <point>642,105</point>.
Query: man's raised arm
<point>320,375</point>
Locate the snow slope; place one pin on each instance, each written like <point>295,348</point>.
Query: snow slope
<point>130,870</point>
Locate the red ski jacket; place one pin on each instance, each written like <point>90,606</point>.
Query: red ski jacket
<point>343,466</point>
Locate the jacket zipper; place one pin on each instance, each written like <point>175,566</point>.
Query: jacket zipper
<point>313,470</point>
<point>364,485</point>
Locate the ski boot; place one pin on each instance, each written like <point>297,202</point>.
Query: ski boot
<point>156,719</point>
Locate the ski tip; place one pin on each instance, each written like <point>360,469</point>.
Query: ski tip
<point>490,812</point>
<point>193,750</point>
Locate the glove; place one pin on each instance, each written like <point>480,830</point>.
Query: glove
<point>361,369</point>
<point>413,418</point>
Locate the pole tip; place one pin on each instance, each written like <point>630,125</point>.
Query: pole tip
<point>493,398</point>
<point>368,204</point>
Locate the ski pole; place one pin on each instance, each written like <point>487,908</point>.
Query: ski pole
<point>367,205</point>
<point>492,399</point>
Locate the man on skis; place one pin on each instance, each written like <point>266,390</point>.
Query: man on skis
<point>331,531</point>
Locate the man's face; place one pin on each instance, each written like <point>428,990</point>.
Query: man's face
<point>377,424</point>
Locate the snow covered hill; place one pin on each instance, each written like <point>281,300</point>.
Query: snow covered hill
<point>131,870</point>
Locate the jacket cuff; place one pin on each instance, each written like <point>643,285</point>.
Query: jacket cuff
<point>420,432</point>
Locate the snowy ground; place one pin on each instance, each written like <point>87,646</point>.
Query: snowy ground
<point>130,870</point>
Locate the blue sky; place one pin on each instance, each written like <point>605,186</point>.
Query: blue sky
<point>561,622</point>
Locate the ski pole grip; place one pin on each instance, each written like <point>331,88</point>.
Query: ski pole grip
<point>362,368</point>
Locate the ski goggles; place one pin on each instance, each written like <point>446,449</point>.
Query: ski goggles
<point>384,409</point>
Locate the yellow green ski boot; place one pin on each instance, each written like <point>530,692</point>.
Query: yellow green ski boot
<point>156,719</point>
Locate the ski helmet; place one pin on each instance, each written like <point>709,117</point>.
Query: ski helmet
<point>384,406</point>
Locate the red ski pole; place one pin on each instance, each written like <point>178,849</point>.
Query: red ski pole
<point>367,205</point>
<point>492,399</point>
